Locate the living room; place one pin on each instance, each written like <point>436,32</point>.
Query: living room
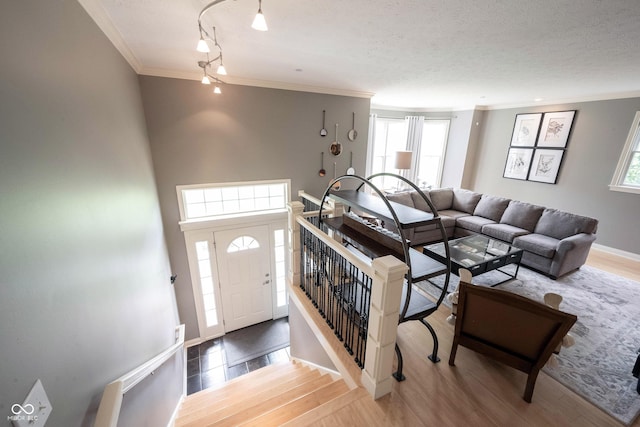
<point>91,155</point>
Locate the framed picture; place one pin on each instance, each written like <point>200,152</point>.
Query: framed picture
<point>525,130</point>
<point>545,165</point>
<point>555,129</point>
<point>518,162</point>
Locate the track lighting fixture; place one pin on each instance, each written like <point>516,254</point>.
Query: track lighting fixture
<point>259,24</point>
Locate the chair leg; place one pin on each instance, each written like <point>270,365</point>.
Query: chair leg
<point>531,383</point>
<point>454,350</point>
<point>434,355</point>
<point>398,374</point>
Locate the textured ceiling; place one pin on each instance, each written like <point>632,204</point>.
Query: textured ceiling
<point>413,54</point>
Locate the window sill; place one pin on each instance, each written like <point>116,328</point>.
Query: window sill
<point>624,189</point>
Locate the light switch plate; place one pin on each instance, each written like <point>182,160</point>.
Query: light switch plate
<point>34,411</point>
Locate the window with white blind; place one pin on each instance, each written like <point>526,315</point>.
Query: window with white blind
<point>432,149</point>
<point>627,174</point>
<point>391,136</point>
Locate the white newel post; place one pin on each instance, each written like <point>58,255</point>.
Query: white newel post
<point>386,294</point>
<point>295,210</point>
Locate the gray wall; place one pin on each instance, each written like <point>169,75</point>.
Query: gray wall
<point>84,284</point>
<point>244,134</point>
<point>599,132</point>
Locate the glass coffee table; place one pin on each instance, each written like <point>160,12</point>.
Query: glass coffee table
<point>479,254</point>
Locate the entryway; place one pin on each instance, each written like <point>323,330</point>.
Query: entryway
<point>235,236</point>
<point>209,364</point>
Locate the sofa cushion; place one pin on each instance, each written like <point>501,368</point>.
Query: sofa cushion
<point>465,200</point>
<point>538,244</point>
<point>473,223</point>
<point>491,207</point>
<point>442,198</point>
<point>560,224</point>
<point>403,198</point>
<point>452,214</point>
<point>447,222</point>
<point>418,201</point>
<point>504,232</point>
<point>522,215</point>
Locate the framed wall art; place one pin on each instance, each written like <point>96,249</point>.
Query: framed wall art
<point>525,130</point>
<point>518,163</point>
<point>555,129</point>
<point>538,144</point>
<point>546,165</point>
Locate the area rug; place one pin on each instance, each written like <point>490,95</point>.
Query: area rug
<point>607,333</point>
<point>255,341</point>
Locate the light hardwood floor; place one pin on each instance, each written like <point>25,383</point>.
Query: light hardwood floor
<point>477,391</point>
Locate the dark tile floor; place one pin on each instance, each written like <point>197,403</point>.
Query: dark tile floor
<point>207,364</point>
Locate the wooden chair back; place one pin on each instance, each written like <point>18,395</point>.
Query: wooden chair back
<point>509,328</point>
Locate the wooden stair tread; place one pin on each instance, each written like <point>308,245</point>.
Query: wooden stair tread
<point>313,416</point>
<point>241,385</point>
<point>218,410</point>
<point>258,409</point>
<point>297,407</point>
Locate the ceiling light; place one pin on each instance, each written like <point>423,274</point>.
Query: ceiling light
<point>203,46</point>
<point>259,23</point>
<point>221,70</point>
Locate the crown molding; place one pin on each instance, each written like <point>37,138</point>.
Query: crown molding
<point>196,75</point>
<point>102,19</point>
<point>550,102</point>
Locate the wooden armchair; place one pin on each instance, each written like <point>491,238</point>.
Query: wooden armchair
<point>509,328</point>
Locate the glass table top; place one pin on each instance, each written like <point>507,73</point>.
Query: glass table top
<point>473,250</point>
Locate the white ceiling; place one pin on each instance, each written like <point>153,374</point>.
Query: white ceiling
<point>411,54</point>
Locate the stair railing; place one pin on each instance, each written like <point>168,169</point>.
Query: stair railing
<point>111,402</point>
<point>358,298</point>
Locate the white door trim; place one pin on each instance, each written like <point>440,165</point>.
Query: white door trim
<point>274,222</point>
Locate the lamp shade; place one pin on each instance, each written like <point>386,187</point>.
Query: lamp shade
<point>259,23</point>
<point>403,159</point>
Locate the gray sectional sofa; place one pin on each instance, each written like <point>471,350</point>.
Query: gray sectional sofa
<point>553,242</point>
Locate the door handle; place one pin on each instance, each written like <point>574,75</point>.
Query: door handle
<point>266,282</point>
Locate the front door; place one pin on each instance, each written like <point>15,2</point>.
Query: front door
<point>244,268</point>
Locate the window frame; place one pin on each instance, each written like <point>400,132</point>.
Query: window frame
<point>181,195</point>
<point>443,154</point>
<point>371,158</point>
<point>631,146</point>
<point>386,182</point>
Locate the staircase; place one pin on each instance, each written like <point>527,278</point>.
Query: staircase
<point>281,394</point>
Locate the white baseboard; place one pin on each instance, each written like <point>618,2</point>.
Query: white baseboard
<point>174,416</point>
<point>618,252</point>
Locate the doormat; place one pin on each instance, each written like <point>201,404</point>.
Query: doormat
<point>256,340</point>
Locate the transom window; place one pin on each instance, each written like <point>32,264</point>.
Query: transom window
<point>243,243</point>
<point>627,175</point>
<point>213,200</point>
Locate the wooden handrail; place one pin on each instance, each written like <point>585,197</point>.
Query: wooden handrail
<point>341,250</point>
<point>109,409</point>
